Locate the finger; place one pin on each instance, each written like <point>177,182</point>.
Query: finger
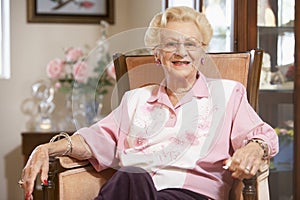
<point>240,174</point>
<point>237,175</point>
<point>28,196</point>
<point>245,166</point>
<point>251,165</point>
<point>239,169</point>
<point>247,169</point>
<point>29,176</point>
<point>234,164</point>
<point>44,172</point>
<point>227,163</point>
<point>255,166</point>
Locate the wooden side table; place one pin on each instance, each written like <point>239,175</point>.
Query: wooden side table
<point>30,140</point>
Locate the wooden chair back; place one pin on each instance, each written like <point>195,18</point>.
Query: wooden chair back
<point>133,71</point>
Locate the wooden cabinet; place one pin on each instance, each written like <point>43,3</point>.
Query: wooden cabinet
<point>270,102</point>
<point>277,105</point>
<point>283,191</point>
<point>250,32</point>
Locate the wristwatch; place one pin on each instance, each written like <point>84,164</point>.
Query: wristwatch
<point>264,147</point>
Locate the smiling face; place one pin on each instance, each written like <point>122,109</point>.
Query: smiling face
<point>180,51</point>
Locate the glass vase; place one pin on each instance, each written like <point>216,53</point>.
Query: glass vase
<point>87,109</point>
<point>68,121</point>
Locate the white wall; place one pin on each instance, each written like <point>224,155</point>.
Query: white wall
<point>32,46</point>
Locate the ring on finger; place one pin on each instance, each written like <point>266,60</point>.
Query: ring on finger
<point>21,182</point>
<point>248,168</point>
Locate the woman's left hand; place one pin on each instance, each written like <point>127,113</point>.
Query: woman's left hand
<point>246,161</point>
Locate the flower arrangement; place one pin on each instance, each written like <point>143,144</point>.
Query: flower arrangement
<point>73,71</point>
<point>290,74</point>
<point>84,79</point>
<point>286,134</point>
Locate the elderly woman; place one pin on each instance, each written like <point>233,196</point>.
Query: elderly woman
<point>170,141</point>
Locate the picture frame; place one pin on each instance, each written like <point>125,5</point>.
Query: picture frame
<point>70,11</point>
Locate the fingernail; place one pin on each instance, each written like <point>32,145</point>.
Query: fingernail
<point>27,196</point>
<point>45,182</point>
<point>227,164</point>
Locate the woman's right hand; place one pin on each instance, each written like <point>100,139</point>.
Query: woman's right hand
<point>38,163</point>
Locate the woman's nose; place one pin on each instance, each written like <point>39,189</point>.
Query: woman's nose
<point>180,50</point>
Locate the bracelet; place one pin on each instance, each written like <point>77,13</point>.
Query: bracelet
<point>66,136</point>
<point>264,147</point>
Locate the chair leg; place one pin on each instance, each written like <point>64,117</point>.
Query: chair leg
<point>249,191</point>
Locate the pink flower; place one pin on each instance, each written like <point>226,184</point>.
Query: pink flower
<point>290,74</point>
<point>73,54</point>
<point>55,68</point>
<point>192,138</point>
<point>111,71</point>
<point>283,131</point>
<point>87,4</point>
<point>80,72</point>
<point>57,85</point>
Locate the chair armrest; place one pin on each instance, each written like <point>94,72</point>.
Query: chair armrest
<point>69,178</point>
<point>79,180</point>
<point>69,163</point>
<point>262,182</point>
<point>257,187</point>
<point>82,183</point>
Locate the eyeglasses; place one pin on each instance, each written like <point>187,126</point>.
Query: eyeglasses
<point>173,46</point>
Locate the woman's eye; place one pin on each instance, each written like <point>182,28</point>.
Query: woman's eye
<point>190,44</point>
<point>171,44</point>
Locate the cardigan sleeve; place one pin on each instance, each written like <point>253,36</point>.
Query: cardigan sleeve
<point>247,124</point>
<point>103,137</point>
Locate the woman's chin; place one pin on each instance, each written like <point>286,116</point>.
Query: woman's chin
<point>181,75</point>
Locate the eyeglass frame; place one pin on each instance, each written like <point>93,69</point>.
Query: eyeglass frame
<point>198,45</point>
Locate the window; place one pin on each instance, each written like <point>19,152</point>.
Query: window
<point>5,40</point>
<point>219,14</point>
<point>190,3</point>
<point>286,41</point>
<point>276,31</point>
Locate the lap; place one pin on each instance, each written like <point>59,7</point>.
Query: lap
<point>179,194</point>
<point>131,183</point>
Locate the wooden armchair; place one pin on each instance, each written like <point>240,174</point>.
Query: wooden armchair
<point>72,179</point>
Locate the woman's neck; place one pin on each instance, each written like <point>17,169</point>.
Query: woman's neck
<point>179,91</point>
<point>179,87</point>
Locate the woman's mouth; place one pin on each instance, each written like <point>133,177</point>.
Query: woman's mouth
<point>180,63</point>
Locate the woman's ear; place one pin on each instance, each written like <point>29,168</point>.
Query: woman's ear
<point>156,57</point>
<point>157,61</point>
<point>202,61</point>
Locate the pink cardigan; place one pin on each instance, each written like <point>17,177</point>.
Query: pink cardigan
<point>182,146</point>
